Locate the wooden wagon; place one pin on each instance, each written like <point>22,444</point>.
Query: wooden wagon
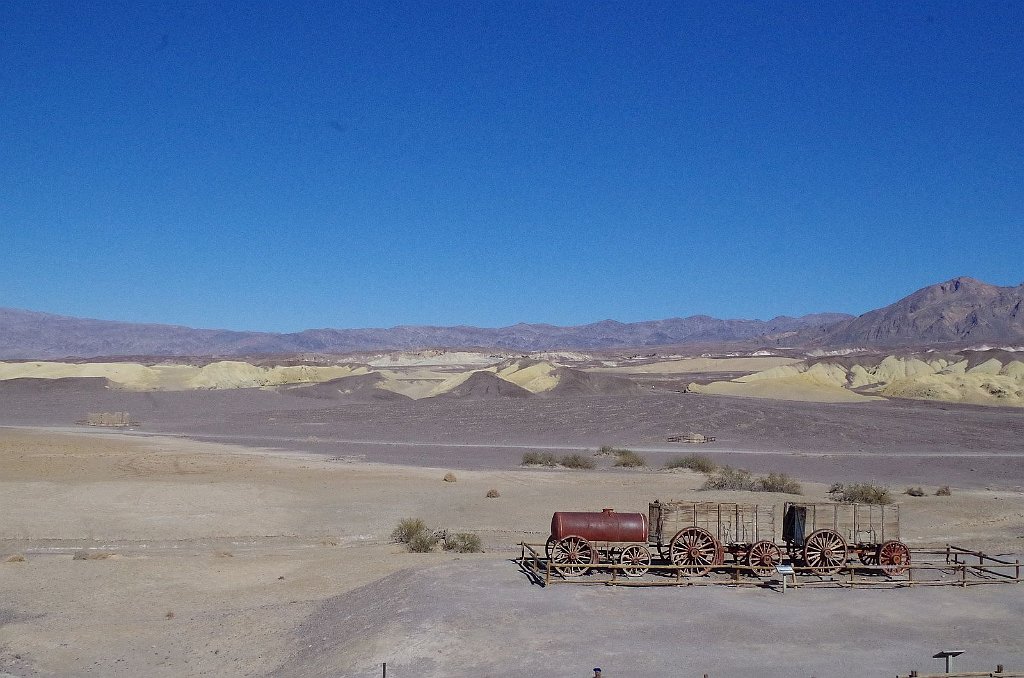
<point>822,536</point>
<point>696,536</point>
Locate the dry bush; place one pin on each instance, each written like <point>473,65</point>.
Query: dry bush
<point>943,491</point>
<point>224,554</point>
<point>493,494</point>
<point>449,477</point>
<point>914,491</point>
<point>463,542</point>
<point>539,459</point>
<point>329,541</point>
<point>169,615</point>
<point>407,529</point>
<point>694,462</point>
<point>89,555</point>
<point>15,558</point>
<point>728,478</point>
<point>423,542</point>
<point>629,459</point>
<point>778,482</point>
<point>860,493</point>
<point>576,461</point>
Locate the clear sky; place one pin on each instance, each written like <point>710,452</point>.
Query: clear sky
<point>289,165</point>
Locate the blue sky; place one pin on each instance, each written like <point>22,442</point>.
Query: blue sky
<point>282,166</point>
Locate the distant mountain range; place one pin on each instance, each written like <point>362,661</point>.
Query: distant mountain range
<point>31,335</point>
<point>960,310</point>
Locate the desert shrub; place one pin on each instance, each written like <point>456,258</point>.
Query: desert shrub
<point>728,478</point>
<point>694,462</point>
<point>576,461</point>
<point>15,558</point>
<point>449,477</point>
<point>539,459</point>
<point>493,494</point>
<point>91,555</point>
<point>861,493</point>
<point>629,459</point>
<point>605,451</point>
<point>423,542</point>
<point>463,542</point>
<point>943,491</point>
<point>169,615</point>
<point>778,482</point>
<point>915,491</point>
<point>407,529</point>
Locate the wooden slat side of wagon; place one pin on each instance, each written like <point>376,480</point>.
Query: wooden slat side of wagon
<point>698,535</point>
<point>823,536</point>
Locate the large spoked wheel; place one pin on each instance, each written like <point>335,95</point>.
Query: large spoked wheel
<point>550,544</point>
<point>868,556</point>
<point>825,552</point>
<point>694,550</point>
<point>762,558</point>
<point>894,557</point>
<point>635,559</point>
<point>576,554</point>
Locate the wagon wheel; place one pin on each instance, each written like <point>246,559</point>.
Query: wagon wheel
<point>573,551</point>
<point>636,560</point>
<point>894,557</point>
<point>762,558</point>
<point>825,552</point>
<point>548,546</point>
<point>868,556</point>
<point>695,550</point>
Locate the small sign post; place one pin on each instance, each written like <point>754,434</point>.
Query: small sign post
<point>785,571</point>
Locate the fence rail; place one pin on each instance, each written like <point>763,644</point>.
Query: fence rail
<point>928,567</point>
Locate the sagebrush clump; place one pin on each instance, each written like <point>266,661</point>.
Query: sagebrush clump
<point>539,459</point>
<point>449,477</point>
<point>493,494</point>
<point>423,542</point>
<point>629,459</point>
<point>728,478</point>
<point>462,542</point>
<point>778,482</point>
<point>915,491</point>
<point>576,461</point>
<point>407,529</point>
<point>695,462</point>
<point>860,493</point>
<point>943,491</point>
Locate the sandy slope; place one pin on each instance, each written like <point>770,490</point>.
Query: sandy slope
<point>992,382</point>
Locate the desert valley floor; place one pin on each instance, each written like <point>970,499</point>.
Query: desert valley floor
<point>246,532</point>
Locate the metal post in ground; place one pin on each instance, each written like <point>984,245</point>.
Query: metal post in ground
<point>948,656</point>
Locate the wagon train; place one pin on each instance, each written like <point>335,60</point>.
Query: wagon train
<point>694,538</point>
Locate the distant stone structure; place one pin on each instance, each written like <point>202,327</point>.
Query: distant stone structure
<point>690,438</point>
<point>108,419</point>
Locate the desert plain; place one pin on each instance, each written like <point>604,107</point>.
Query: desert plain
<point>242,526</point>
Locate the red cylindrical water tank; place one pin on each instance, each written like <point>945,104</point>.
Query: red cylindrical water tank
<point>606,525</point>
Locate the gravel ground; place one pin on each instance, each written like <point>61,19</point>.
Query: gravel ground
<point>482,618</point>
<point>909,442</point>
